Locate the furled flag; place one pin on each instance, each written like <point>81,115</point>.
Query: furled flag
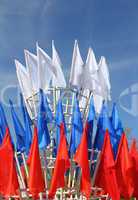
<point>117,126</point>
<point>59,119</point>
<point>27,125</point>
<point>106,174</point>
<point>36,182</point>
<point>9,185</point>
<point>24,79</point>
<point>90,120</point>
<point>104,78</point>
<point>76,67</point>
<point>19,130</point>
<point>103,124</point>
<point>3,122</point>
<point>43,132</point>
<point>81,158</point>
<point>134,155</point>
<point>24,83</point>
<point>59,79</point>
<point>62,164</point>
<point>32,68</point>
<point>124,169</point>
<point>45,69</point>
<point>90,74</point>
<point>77,127</point>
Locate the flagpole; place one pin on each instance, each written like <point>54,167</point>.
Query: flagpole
<point>20,173</point>
<point>25,165</point>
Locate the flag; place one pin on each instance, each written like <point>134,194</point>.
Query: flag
<point>117,126</point>
<point>27,125</point>
<point>19,130</point>
<point>62,164</point>
<point>32,68</point>
<point>104,78</point>
<point>36,182</point>
<point>124,169</point>
<point>59,79</point>
<point>104,123</point>
<point>77,127</point>
<point>45,69</point>
<point>106,174</point>
<point>134,155</point>
<point>76,67</point>
<point>59,119</point>
<point>81,158</point>
<point>43,132</point>
<point>23,109</point>
<point>90,120</point>
<point>23,79</point>
<point>90,79</point>
<point>9,185</point>
<point>3,122</point>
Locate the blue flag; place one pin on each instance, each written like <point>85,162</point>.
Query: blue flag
<point>27,125</point>
<point>3,122</point>
<point>59,119</point>
<point>104,123</point>
<point>77,127</point>
<point>117,126</point>
<point>43,132</point>
<point>19,130</point>
<point>23,108</point>
<point>90,120</point>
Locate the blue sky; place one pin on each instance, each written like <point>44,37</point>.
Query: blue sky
<point>109,26</point>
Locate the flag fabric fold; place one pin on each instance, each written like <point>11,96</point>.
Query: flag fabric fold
<point>81,158</point>
<point>19,130</point>
<point>90,120</point>
<point>59,119</point>
<point>9,185</point>
<point>62,164</point>
<point>3,122</point>
<point>106,174</point>
<point>124,169</point>
<point>36,182</point>
<point>27,125</point>
<point>43,132</point>
<point>134,155</point>
<point>77,127</point>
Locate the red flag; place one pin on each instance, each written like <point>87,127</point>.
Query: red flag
<point>106,174</point>
<point>81,157</point>
<point>124,169</point>
<point>8,176</point>
<point>36,181</point>
<point>61,165</point>
<point>134,156</point>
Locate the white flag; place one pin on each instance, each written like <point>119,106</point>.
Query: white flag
<point>76,67</point>
<point>24,80</point>
<point>31,64</point>
<point>25,85</point>
<point>59,79</point>
<point>45,69</point>
<point>90,74</point>
<point>104,78</point>
<point>98,102</point>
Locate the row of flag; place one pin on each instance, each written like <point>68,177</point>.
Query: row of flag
<point>43,71</point>
<point>115,156</point>
<point>116,176</point>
